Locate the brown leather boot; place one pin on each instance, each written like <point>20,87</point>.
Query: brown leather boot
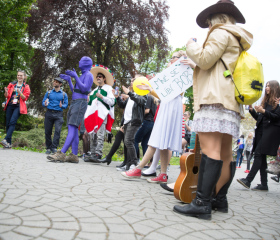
<point>57,157</point>
<point>72,158</point>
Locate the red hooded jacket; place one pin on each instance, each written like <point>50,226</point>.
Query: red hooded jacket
<point>25,91</point>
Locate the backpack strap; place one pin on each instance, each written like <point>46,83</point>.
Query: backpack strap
<point>63,94</point>
<point>227,73</point>
<point>49,93</point>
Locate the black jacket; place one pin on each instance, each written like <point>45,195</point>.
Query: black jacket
<point>269,125</point>
<point>138,109</point>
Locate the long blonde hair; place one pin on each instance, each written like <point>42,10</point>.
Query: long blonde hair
<point>220,18</point>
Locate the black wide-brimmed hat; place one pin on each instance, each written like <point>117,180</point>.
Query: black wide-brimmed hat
<point>59,79</point>
<point>222,6</point>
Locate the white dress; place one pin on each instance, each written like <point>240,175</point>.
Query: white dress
<point>167,130</point>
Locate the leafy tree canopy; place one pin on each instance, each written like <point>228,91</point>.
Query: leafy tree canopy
<point>120,34</point>
<point>15,52</point>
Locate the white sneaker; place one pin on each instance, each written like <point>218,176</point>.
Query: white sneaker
<point>121,169</point>
<point>168,167</point>
<point>132,166</point>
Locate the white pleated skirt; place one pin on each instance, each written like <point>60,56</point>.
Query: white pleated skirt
<point>167,130</point>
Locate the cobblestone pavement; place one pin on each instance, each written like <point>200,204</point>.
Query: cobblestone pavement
<point>44,200</point>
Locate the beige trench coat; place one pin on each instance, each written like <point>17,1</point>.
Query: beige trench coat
<point>209,84</point>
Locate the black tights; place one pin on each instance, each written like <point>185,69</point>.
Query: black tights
<point>86,143</point>
<point>118,139</point>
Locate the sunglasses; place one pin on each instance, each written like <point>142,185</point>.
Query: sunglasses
<point>99,76</point>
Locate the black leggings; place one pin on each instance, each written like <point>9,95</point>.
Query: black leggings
<point>249,156</point>
<point>118,139</point>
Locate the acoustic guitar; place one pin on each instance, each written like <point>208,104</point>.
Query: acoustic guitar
<point>186,184</point>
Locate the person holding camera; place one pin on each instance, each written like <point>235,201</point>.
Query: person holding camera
<point>55,101</point>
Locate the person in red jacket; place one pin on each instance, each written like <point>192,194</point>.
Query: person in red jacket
<point>17,94</point>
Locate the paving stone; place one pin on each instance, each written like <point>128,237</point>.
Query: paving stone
<point>122,236</point>
<point>42,224</point>
<point>216,234</point>
<point>4,228</point>
<point>66,225</point>
<point>91,236</point>
<point>197,235</point>
<point>94,227</point>
<point>249,235</point>
<point>30,231</point>
<point>14,236</point>
<point>142,229</point>
<point>59,234</point>
<point>156,235</point>
<point>93,201</point>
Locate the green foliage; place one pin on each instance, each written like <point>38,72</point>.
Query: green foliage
<point>15,51</point>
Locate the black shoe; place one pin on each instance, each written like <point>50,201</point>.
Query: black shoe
<point>260,187</point>
<point>48,151</point>
<point>244,182</point>
<point>196,208</point>
<point>149,175</point>
<point>122,164</point>
<point>105,160</point>
<point>275,178</point>
<point>95,158</point>
<point>165,187</point>
<point>87,157</point>
<point>54,150</point>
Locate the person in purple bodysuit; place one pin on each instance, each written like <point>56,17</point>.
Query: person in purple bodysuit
<point>77,109</point>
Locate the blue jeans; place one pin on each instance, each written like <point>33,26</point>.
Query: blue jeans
<point>239,157</point>
<point>12,115</point>
<point>143,136</point>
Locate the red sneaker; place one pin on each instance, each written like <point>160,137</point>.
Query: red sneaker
<point>247,171</point>
<point>162,178</point>
<point>133,173</point>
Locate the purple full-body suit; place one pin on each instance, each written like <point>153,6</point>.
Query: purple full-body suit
<point>84,83</point>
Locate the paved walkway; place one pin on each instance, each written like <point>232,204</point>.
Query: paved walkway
<point>43,200</point>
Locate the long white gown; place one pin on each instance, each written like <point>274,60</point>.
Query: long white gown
<point>167,130</point>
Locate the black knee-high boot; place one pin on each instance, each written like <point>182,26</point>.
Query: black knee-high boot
<point>219,201</point>
<point>201,206</point>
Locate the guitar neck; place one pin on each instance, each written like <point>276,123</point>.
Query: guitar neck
<point>197,151</point>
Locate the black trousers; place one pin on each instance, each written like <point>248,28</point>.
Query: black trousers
<point>129,136</point>
<point>259,163</point>
<point>56,119</point>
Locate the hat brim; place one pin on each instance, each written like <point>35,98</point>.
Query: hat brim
<point>106,73</point>
<point>226,8</point>
<point>59,79</point>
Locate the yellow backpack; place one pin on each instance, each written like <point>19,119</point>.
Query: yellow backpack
<point>247,78</point>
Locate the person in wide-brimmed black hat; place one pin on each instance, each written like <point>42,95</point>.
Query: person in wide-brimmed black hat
<point>217,113</point>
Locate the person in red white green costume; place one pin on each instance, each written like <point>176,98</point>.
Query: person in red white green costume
<point>99,116</point>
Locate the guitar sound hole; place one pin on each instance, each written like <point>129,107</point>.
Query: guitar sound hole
<point>195,170</point>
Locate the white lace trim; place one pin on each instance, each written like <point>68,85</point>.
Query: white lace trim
<point>215,118</point>
<point>218,112</point>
